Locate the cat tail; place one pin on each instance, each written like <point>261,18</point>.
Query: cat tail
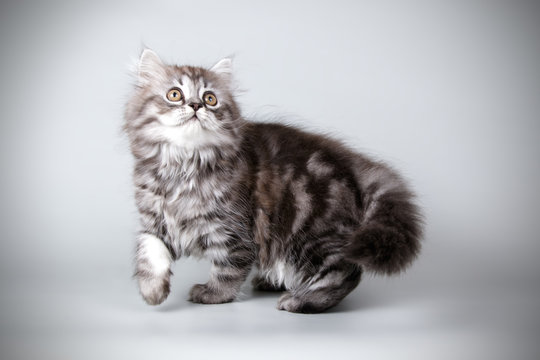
<point>388,239</point>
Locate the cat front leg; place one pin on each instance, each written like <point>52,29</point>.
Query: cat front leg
<point>153,268</point>
<point>227,275</point>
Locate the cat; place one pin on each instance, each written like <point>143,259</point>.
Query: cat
<point>309,214</point>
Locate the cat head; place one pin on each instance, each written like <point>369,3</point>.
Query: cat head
<point>190,107</point>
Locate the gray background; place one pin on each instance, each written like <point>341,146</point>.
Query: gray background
<point>446,91</point>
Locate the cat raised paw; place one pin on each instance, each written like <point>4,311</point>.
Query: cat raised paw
<point>154,290</point>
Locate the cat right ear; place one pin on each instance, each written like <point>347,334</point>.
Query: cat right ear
<point>150,66</point>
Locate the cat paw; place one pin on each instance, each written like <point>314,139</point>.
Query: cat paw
<point>291,303</point>
<point>287,302</point>
<point>205,294</point>
<point>154,290</point>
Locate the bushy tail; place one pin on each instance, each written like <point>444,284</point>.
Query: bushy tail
<point>389,237</point>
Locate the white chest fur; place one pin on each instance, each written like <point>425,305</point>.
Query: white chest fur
<point>193,199</point>
<point>190,218</point>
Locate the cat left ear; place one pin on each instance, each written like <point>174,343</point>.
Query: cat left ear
<point>224,68</point>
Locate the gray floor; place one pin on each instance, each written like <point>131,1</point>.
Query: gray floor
<point>446,91</point>
<point>439,311</point>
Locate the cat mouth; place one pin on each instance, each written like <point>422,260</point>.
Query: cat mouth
<point>193,118</point>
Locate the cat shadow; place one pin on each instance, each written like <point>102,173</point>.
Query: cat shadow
<point>261,294</point>
<point>178,303</point>
<point>357,303</point>
<point>354,302</point>
<point>370,300</point>
<point>173,304</point>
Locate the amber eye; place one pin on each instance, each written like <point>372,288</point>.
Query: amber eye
<point>210,98</point>
<point>175,94</point>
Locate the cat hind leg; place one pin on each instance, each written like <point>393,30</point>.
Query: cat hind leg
<point>322,291</point>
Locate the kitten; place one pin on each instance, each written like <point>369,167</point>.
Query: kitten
<point>307,213</point>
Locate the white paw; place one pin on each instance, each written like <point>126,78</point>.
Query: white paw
<point>154,290</point>
<point>153,269</point>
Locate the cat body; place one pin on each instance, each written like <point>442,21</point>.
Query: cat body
<point>306,212</point>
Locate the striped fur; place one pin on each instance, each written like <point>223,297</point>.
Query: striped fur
<point>306,212</point>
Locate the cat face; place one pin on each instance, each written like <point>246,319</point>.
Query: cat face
<point>189,107</point>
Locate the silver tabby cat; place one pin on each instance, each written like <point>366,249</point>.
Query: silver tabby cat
<point>307,213</point>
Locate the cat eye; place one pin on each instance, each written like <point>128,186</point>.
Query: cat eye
<point>175,94</point>
<point>210,98</point>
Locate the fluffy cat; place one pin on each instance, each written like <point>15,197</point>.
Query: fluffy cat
<point>309,214</point>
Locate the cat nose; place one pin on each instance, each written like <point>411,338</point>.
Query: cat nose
<point>195,105</point>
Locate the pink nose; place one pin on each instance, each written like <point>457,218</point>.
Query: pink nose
<point>196,106</point>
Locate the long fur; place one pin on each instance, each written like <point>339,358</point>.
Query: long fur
<point>309,214</point>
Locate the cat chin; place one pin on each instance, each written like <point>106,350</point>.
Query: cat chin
<point>189,136</point>
<point>177,118</point>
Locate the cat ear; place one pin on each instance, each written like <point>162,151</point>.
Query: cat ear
<point>223,68</point>
<point>150,66</point>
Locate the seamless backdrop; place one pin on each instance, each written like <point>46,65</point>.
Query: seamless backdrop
<point>448,92</point>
